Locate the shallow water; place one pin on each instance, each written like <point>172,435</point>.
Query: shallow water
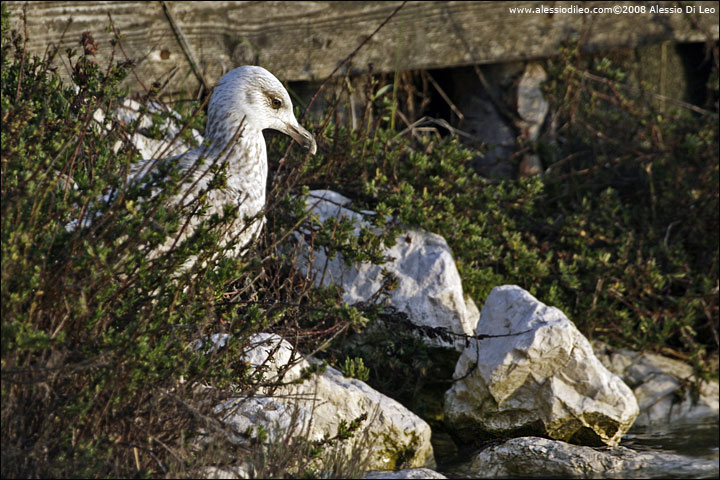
<point>690,439</point>
<point>695,440</point>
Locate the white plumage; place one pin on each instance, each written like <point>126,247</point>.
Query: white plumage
<point>245,101</point>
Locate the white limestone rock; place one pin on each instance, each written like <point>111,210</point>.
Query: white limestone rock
<point>541,379</point>
<point>541,457</point>
<point>314,409</point>
<point>531,103</point>
<point>663,387</point>
<point>246,471</point>
<point>429,288</point>
<point>227,472</point>
<point>275,357</point>
<point>210,344</point>
<point>418,473</point>
<point>129,111</point>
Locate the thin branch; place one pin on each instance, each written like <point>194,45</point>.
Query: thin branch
<point>127,58</point>
<point>674,101</point>
<point>24,54</point>
<point>182,40</point>
<point>340,65</point>
<point>442,93</point>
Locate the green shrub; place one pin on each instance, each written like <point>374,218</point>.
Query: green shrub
<point>637,189</point>
<point>355,368</point>
<point>621,233</point>
<point>99,374</point>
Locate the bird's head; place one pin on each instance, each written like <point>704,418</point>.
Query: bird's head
<point>255,95</point>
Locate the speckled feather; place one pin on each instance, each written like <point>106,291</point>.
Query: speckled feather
<point>245,101</point>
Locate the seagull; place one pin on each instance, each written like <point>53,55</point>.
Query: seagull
<point>245,101</point>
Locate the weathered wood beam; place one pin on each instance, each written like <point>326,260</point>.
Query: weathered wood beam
<point>307,40</point>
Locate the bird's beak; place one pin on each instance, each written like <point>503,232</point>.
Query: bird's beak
<point>302,136</point>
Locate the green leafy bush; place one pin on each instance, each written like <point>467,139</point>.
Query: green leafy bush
<point>637,188</point>
<point>100,375</point>
<point>621,233</point>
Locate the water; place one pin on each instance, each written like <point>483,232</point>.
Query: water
<point>698,442</point>
<point>690,439</point>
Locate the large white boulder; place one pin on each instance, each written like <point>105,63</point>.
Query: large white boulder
<point>315,408</point>
<point>668,391</point>
<point>429,288</point>
<point>542,378</point>
<point>541,457</point>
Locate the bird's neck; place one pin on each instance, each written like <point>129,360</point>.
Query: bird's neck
<point>246,157</point>
<point>233,145</point>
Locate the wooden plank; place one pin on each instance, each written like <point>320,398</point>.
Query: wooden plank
<point>307,40</point>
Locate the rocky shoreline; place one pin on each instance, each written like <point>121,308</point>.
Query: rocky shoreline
<point>557,404</point>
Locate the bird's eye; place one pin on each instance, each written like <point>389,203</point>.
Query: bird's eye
<point>276,103</point>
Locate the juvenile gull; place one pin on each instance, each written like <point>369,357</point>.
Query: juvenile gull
<point>245,101</point>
